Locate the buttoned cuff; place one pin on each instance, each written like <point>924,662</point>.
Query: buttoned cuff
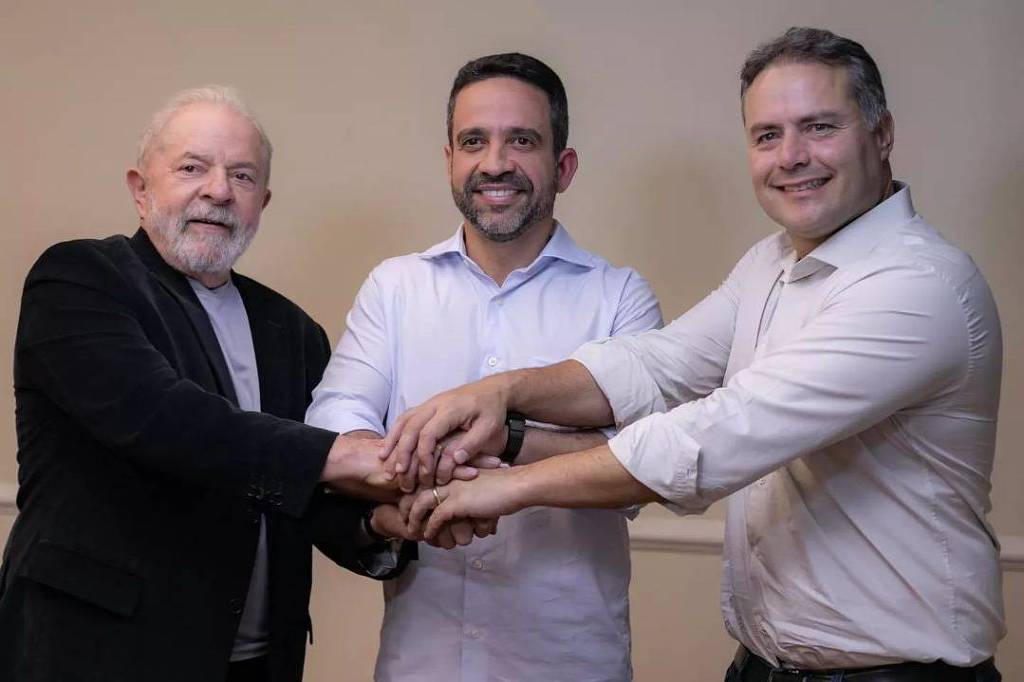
<point>622,378</point>
<point>663,457</point>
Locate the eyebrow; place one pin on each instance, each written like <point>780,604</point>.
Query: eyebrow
<point>514,131</point>
<point>824,115</point>
<point>207,160</point>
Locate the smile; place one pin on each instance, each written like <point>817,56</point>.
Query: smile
<point>498,193</point>
<point>804,186</point>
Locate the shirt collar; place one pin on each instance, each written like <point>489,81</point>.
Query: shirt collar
<point>857,239</point>
<point>560,247</point>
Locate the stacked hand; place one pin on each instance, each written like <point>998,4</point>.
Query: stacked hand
<point>429,452</point>
<point>357,467</point>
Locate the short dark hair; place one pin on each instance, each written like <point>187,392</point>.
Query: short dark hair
<point>527,69</point>
<point>801,44</point>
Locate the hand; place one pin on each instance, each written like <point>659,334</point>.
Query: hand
<point>492,494</point>
<point>387,520</point>
<point>451,454</point>
<point>478,409</point>
<point>455,533</point>
<point>354,467</point>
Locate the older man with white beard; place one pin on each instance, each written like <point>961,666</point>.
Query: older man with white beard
<point>168,499</point>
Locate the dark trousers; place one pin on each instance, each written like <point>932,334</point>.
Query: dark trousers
<point>747,667</point>
<point>249,670</point>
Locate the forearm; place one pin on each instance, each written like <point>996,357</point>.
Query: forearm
<point>591,478</point>
<point>541,443</point>
<point>563,393</point>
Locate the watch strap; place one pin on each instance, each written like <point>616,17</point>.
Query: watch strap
<point>516,424</point>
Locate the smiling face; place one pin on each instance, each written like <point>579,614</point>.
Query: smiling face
<point>201,190</point>
<point>503,170</point>
<point>814,163</point>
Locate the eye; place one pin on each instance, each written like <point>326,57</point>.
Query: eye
<point>471,142</point>
<point>822,128</point>
<point>522,141</point>
<point>244,177</point>
<point>766,137</point>
<point>189,168</point>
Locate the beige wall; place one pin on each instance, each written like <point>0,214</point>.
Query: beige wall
<point>353,96</point>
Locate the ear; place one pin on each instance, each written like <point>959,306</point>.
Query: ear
<point>266,198</point>
<point>565,168</point>
<point>137,186</point>
<point>884,136</point>
<point>448,161</point>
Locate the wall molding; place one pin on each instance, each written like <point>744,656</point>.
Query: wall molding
<point>690,535</point>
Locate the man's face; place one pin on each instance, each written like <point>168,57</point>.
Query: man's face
<point>814,163</point>
<point>501,164</point>
<point>202,188</point>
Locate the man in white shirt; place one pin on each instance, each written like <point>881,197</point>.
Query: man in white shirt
<point>547,596</point>
<point>841,386</point>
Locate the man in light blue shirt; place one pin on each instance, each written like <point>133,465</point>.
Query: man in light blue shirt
<point>547,596</point>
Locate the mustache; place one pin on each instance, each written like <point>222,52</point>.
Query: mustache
<point>513,179</point>
<point>211,214</point>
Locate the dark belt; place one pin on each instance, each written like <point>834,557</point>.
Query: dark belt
<point>751,668</point>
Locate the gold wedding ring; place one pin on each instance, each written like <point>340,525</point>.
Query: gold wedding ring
<point>436,496</point>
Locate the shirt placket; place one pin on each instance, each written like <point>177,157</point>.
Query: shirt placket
<point>479,557</point>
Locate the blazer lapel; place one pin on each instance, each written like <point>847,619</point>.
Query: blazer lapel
<point>271,345</point>
<point>176,284</point>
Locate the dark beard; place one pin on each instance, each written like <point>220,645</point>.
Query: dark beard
<point>512,222</point>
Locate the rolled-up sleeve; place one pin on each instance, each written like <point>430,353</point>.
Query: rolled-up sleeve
<point>889,338</point>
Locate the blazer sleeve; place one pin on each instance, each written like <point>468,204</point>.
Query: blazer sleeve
<point>335,520</point>
<point>81,341</point>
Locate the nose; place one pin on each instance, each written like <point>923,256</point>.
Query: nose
<point>793,152</point>
<point>217,188</point>
<point>495,160</point>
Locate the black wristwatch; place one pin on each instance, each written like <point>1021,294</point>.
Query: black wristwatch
<point>516,424</point>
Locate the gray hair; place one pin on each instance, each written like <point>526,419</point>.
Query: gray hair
<point>209,94</point>
<point>801,45</point>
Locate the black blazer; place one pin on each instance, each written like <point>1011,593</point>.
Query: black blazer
<point>141,482</point>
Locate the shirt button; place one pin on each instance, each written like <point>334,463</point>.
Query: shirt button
<point>473,634</point>
<point>477,564</point>
<point>236,606</point>
<point>492,361</point>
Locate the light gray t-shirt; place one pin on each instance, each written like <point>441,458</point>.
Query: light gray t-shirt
<point>230,323</point>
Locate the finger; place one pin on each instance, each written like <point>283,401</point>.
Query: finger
<point>404,505</point>
<point>444,538</point>
<point>433,431</point>
<point>480,433</point>
<point>445,466</point>
<point>464,473</point>
<point>462,533</point>
<point>408,481</point>
<point>403,440</point>
<point>485,462</point>
<point>440,517</point>
<point>423,504</point>
<point>484,527</point>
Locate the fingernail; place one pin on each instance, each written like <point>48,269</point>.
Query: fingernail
<point>400,467</point>
<point>461,456</point>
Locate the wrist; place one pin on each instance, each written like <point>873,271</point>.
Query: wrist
<point>521,487</point>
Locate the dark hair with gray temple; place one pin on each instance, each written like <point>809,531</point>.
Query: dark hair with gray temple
<point>527,69</point>
<point>801,44</point>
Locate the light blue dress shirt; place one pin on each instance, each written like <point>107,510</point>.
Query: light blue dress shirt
<point>547,597</point>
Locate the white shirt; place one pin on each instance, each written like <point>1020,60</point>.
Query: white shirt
<point>848,403</point>
<point>547,597</point>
